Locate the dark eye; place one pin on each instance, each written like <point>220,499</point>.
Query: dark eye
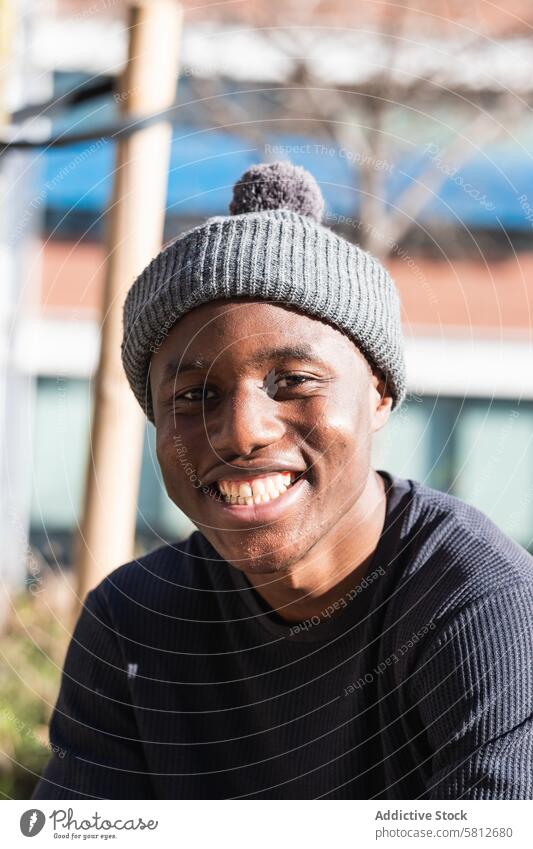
<point>293,380</point>
<point>201,392</point>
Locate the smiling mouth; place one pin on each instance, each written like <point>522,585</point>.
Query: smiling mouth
<point>253,491</point>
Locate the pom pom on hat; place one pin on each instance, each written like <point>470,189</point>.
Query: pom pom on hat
<point>278,185</point>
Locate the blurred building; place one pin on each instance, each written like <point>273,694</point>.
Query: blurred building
<point>465,272</point>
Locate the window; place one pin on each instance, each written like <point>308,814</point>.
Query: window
<point>479,450</point>
<point>60,449</point>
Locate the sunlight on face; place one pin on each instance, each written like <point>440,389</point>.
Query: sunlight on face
<point>251,386</point>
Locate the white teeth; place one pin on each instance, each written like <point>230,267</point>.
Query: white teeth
<point>258,487</point>
<point>257,490</point>
<point>271,486</point>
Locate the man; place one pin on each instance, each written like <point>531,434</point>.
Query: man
<point>330,631</point>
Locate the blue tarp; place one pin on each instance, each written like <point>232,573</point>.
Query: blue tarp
<point>492,189</point>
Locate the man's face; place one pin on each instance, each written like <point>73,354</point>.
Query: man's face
<point>245,389</point>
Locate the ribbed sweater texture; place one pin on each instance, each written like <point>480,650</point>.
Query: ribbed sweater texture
<point>180,682</point>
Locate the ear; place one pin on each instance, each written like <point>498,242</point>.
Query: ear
<point>381,400</point>
<point>151,387</point>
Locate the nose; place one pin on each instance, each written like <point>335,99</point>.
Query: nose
<point>247,419</point>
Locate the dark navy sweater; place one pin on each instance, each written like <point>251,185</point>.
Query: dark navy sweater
<point>180,682</point>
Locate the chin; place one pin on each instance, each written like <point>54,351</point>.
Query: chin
<point>252,560</point>
<point>260,567</point>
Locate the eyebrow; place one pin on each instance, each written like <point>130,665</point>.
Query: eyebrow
<point>294,351</point>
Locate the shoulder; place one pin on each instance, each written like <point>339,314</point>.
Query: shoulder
<point>161,581</point>
<point>453,556</point>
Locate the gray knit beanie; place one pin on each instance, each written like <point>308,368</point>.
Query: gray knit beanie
<point>271,247</point>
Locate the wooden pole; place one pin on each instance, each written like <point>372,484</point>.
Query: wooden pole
<point>8,580</point>
<point>7,29</point>
<point>135,232</point>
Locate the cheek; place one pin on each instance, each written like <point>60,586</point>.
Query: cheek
<point>167,472</point>
<point>341,426</point>
<point>172,455</point>
<point>164,445</point>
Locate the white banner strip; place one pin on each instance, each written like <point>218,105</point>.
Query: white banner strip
<point>264,824</point>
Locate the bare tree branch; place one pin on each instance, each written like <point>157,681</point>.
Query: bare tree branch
<point>484,129</point>
<point>225,111</point>
<point>362,128</point>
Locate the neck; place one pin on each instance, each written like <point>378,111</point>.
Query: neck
<point>335,565</point>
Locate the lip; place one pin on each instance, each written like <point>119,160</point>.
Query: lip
<point>259,513</point>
